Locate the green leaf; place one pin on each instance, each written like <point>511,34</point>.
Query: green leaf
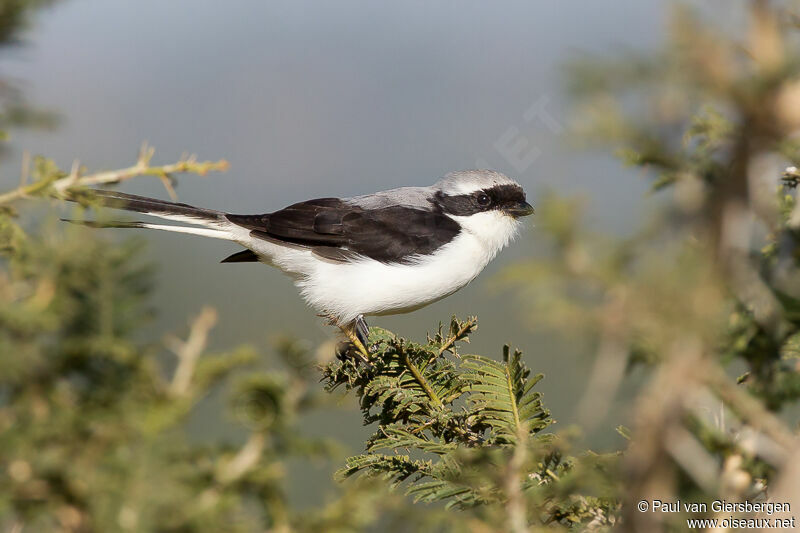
<point>502,396</point>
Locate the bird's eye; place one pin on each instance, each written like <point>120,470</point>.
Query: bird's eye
<point>483,199</point>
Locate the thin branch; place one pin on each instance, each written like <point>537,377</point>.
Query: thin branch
<point>244,460</point>
<point>749,408</point>
<point>420,379</point>
<point>189,351</point>
<point>516,515</point>
<point>141,168</point>
<point>459,334</point>
<point>167,182</point>
<point>231,471</point>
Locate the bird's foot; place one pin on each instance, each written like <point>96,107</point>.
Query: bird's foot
<point>357,345</point>
<point>346,350</point>
<point>357,333</point>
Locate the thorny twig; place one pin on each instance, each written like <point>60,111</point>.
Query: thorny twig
<point>466,326</point>
<point>141,168</point>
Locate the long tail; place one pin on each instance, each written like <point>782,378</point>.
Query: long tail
<point>214,223</point>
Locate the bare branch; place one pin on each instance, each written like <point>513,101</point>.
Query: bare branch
<point>244,460</point>
<point>189,351</point>
<point>516,515</point>
<point>141,168</point>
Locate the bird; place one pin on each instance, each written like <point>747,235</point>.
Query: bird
<point>384,253</point>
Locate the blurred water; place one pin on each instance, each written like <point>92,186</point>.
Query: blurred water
<point>328,99</point>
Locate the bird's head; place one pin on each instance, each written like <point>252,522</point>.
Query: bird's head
<point>469,192</point>
<point>486,203</point>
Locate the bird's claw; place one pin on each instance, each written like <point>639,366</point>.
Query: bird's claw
<point>348,350</point>
<point>357,333</point>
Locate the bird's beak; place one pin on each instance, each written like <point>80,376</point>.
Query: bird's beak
<point>521,209</point>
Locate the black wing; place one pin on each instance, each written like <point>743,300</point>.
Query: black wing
<point>338,231</point>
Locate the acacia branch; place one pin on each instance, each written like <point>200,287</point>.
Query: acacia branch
<point>58,186</point>
<point>465,328</point>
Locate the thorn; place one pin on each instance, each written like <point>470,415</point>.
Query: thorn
<point>167,182</point>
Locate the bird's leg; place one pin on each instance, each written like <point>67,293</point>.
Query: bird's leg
<point>362,330</point>
<point>354,338</point>
<point>350,331</point>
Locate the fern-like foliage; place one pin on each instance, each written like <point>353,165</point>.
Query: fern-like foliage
<point>452,428</point>
<point>503,399</point>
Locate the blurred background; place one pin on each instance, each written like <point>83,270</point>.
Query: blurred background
<point>313,99</point>
<point>320,99</point>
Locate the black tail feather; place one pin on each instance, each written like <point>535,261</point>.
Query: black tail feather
<point>110,224</point>
<point>143,204</point>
